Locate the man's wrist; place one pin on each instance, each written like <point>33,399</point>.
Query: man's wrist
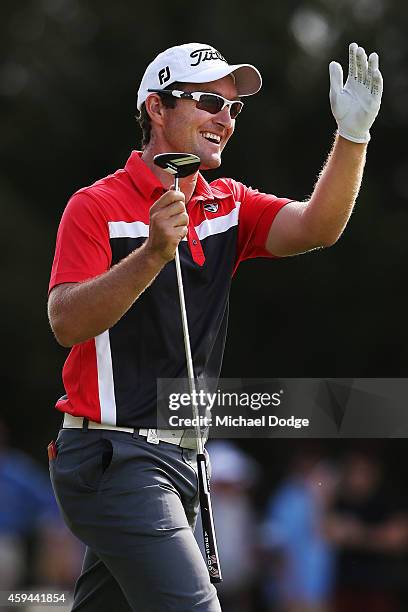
<point>364,139</point>
<point>152,256</point>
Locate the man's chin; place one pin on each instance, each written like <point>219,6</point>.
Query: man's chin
<point>211,163</point>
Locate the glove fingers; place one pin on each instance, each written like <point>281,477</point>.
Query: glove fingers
<point>373,70</point>
<point>336,77</point>
<point>369,81</point>
<point>353,60</point>
<point>362,65</point>
<point>377,85</point>
<point>373,61</point>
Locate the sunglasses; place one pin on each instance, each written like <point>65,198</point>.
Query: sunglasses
<point>209,102</point>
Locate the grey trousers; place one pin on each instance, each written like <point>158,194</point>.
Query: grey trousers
<point>134,505</point>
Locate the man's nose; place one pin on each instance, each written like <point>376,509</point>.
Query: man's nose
<point>224,117</point>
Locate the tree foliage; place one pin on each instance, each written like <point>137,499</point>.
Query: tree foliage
<point>69,74</point>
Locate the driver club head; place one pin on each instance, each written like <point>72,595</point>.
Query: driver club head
<point>179,164</point>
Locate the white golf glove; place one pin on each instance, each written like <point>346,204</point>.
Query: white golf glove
<point>356,104</point>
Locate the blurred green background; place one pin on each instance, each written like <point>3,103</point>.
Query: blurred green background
<point>69,73</point>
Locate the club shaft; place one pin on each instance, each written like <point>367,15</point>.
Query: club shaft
<point>210,541</point>
<point>187,346</point>
<point>189,359</point>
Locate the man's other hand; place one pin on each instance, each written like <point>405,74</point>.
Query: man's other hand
<point>355,105</point>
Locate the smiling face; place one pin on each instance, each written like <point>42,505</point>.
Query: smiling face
<point>188,129</point>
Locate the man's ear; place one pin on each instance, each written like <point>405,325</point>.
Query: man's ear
<point>155,108</point>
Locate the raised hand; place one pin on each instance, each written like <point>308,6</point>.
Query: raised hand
<point>355,105</point>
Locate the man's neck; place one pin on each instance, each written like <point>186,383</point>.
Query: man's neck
<point>187,185</point>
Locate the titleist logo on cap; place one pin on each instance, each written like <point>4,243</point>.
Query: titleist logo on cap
<point>205,54</point>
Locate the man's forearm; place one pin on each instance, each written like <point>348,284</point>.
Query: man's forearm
<point>80,311</point>
<point>335,192</point>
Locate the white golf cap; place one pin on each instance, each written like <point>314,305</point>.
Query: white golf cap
<point>196,63</point>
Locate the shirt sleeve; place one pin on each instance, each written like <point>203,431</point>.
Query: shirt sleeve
<point>82,248</point>
<point>256,215</point>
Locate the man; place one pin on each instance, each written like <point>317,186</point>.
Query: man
<point>127,493</point>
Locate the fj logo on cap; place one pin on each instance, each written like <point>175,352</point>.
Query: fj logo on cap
<point>211,207</point>
<point>205,54</point>
<point>164,75</point>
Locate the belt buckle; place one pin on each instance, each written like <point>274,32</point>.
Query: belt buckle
<point>152,436</point>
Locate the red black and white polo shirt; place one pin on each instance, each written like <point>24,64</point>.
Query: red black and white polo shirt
<point>112,378</point>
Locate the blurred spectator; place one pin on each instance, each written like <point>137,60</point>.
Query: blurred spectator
<point>370,529</point>
<point>302,560</point>
<point>35,546</point>
<point>234,474</point>
<point>26,503</point>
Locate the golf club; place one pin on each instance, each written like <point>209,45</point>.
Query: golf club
<point>181,165</point>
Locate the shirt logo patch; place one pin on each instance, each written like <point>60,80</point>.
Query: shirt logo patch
<point>211,207</point>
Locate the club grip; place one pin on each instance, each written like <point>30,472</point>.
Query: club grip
<point>210,542</point>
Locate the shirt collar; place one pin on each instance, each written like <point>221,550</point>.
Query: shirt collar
<point>143,178</point>
<point>148,184</point>
<point>204,191</point>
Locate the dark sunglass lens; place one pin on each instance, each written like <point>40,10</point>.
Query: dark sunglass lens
<point>209,103</point>
<point>236,108</point>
